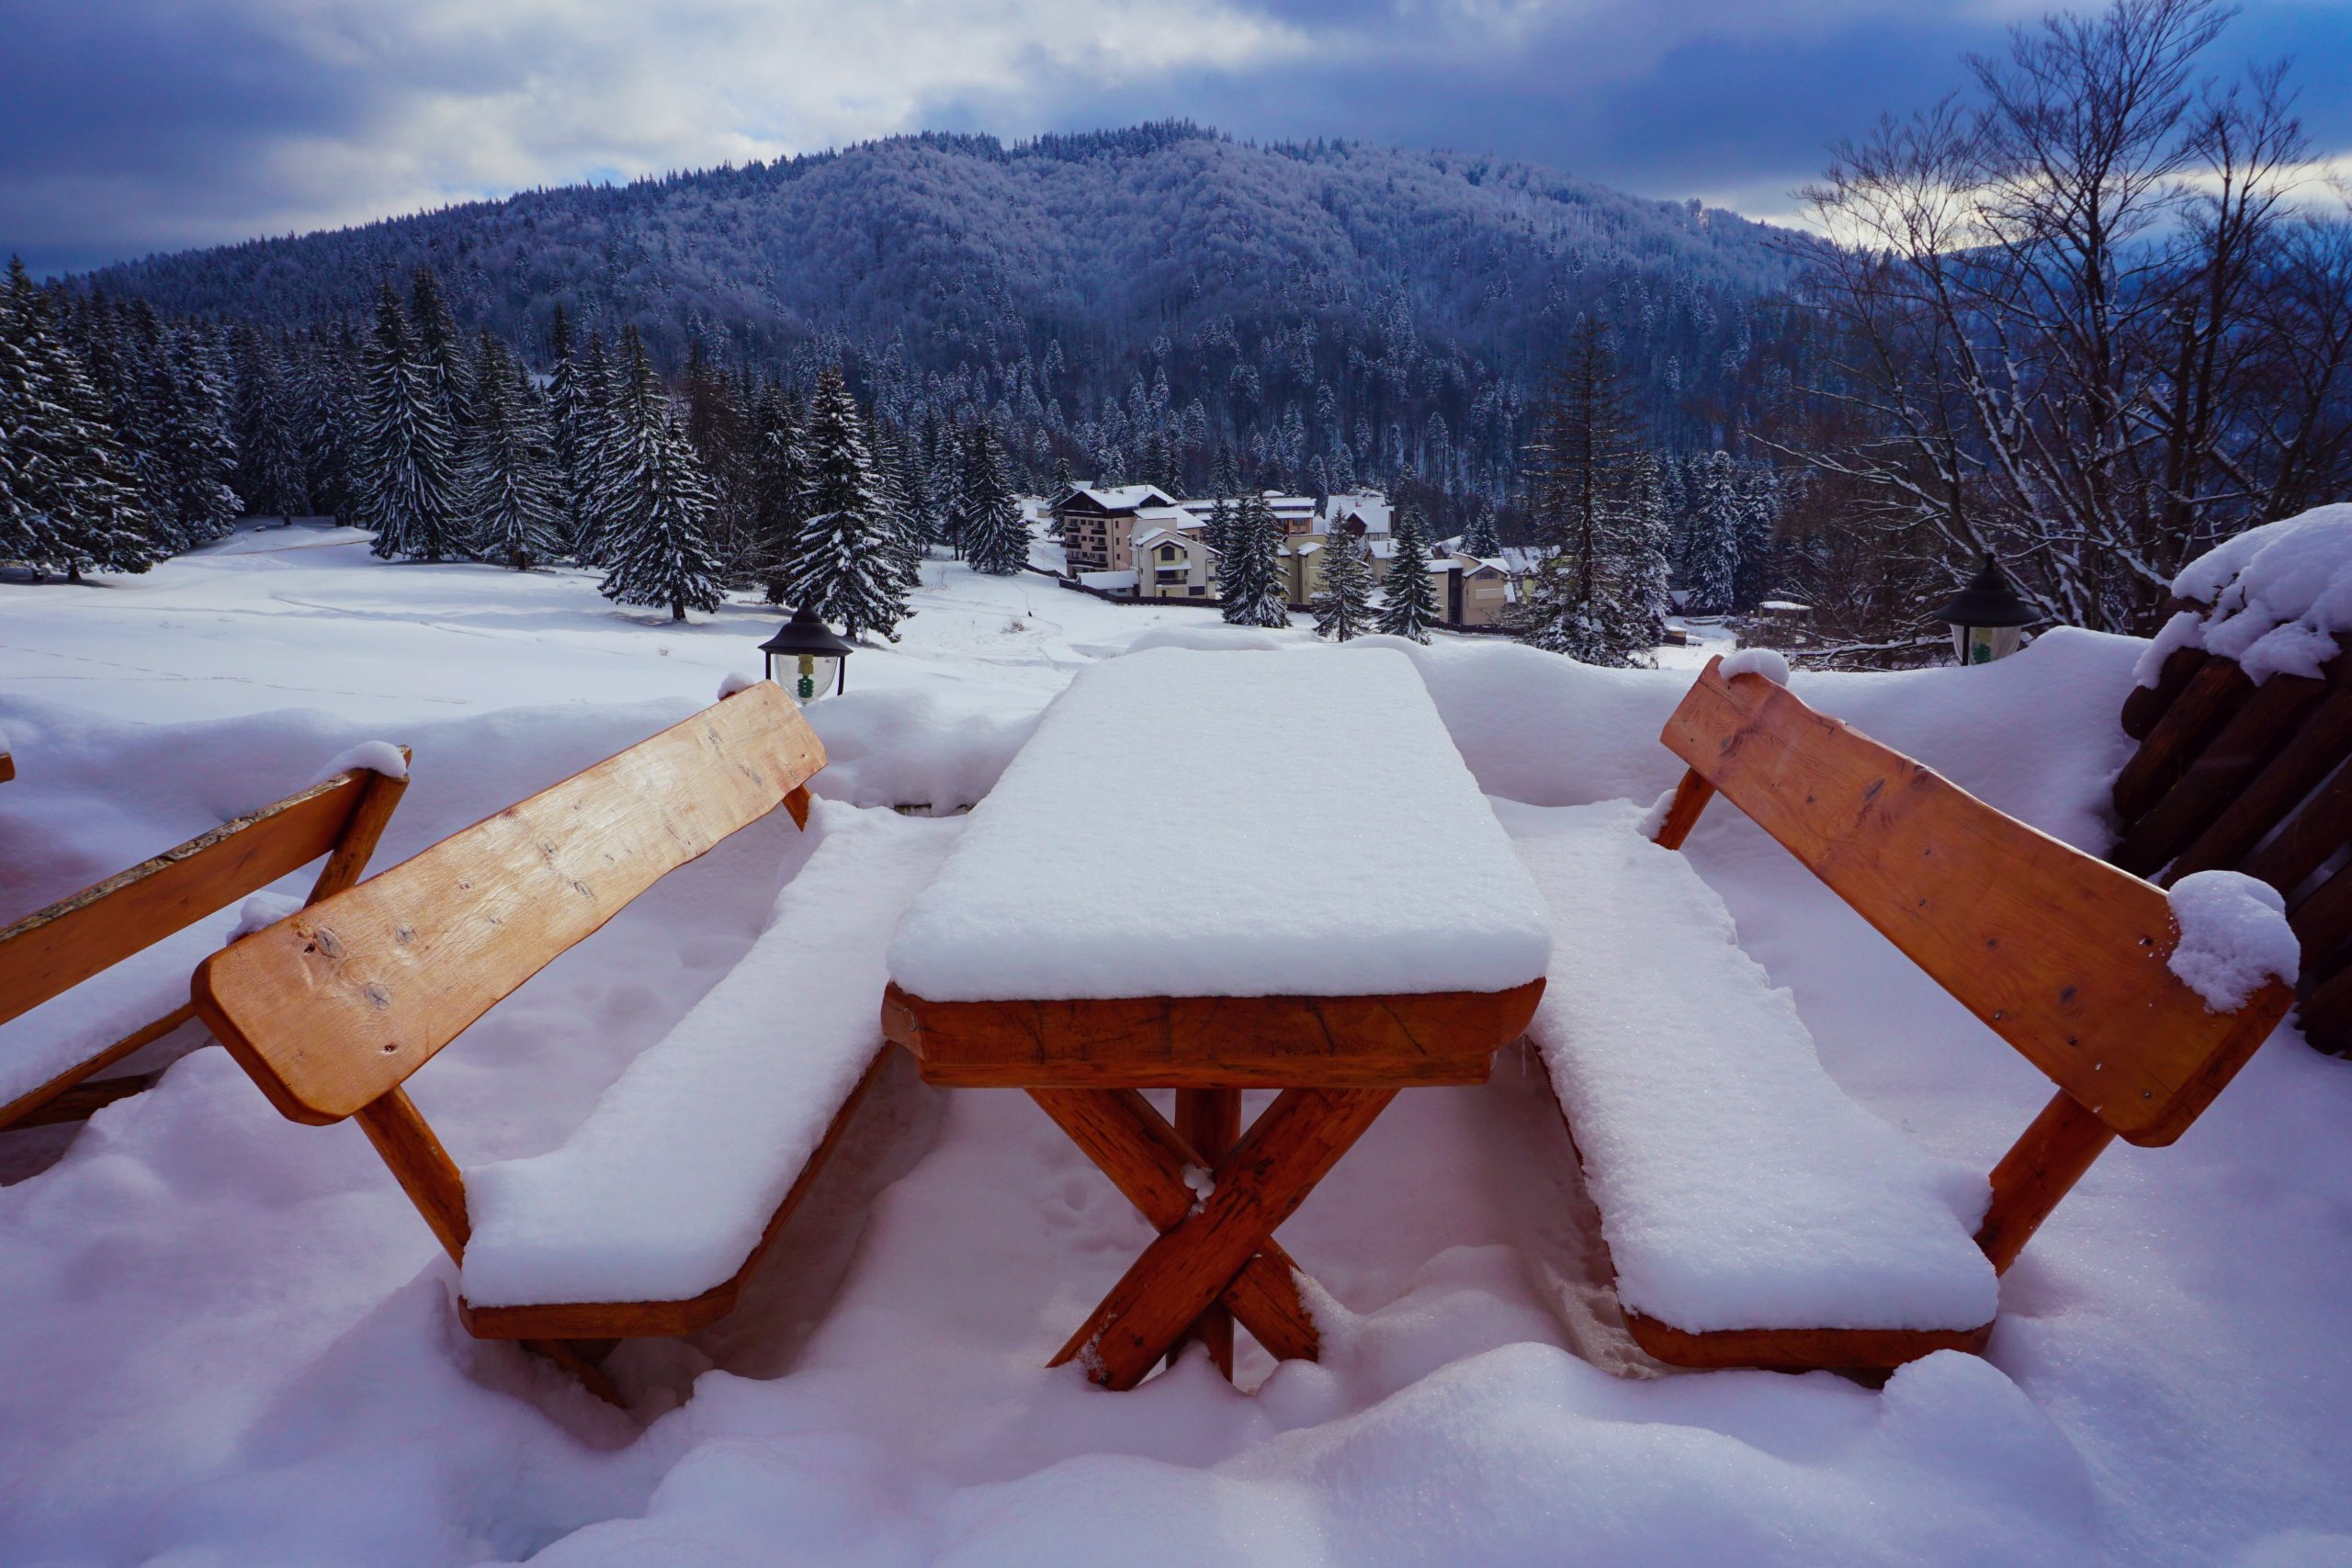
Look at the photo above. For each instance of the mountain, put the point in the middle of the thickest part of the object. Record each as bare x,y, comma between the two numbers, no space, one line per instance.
1124,299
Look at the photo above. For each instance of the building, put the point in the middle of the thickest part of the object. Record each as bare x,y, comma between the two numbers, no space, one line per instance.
1172,563
1098,524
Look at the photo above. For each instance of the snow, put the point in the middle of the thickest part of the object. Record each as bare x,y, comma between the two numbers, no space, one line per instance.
374,756
663,1191
1764,662
260,912
735,681
1139,845
1738,1186
2233,937
2277,596
77,1024
231,1338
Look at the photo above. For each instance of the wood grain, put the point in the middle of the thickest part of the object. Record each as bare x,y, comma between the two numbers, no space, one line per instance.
54,950
1260,1185
2211,695
2309,838
2061,955
2146,704
39,1106
1146,1160
2220,772
2320,742
1441,1037
1210,1120
333,1007
1800,1349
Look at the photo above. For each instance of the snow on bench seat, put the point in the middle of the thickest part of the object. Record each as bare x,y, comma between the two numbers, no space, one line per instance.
664,1191
76,1025
1738,1187
1196,824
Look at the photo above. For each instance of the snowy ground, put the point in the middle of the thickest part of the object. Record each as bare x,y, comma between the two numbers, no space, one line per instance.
228,1340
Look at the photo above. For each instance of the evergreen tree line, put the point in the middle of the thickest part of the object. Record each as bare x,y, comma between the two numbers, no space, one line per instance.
125,438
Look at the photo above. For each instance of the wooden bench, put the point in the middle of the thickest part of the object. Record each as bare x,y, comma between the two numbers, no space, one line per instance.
2058,954
136,914
332,1010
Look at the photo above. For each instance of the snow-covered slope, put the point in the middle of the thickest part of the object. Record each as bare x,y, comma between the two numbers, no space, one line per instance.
228,1340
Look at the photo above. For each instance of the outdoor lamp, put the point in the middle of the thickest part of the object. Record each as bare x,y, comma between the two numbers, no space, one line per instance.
1987,616
805,658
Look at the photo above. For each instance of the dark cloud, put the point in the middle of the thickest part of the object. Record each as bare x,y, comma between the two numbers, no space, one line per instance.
133,125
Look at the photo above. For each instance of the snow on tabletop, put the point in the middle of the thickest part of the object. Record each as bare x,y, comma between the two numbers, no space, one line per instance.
262,911
1769,662
2279,595
1229,824
2233,936
375,756
1738,1187
663,1191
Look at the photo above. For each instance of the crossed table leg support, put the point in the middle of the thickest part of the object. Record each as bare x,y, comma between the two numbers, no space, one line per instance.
1221,1252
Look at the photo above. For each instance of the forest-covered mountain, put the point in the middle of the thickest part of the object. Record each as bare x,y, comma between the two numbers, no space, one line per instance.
1124,300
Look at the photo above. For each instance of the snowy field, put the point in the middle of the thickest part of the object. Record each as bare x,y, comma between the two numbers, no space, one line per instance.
229,1338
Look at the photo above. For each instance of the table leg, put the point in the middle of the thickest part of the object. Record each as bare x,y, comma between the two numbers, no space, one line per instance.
1210,1119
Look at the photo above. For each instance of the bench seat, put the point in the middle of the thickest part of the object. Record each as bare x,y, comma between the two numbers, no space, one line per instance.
1742,1195
670,1187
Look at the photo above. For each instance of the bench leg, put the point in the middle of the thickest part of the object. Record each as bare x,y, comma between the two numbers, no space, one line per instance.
1210,1119
1258,1185
2040,1168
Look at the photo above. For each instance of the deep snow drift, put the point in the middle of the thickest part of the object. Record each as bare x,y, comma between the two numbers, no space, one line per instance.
229,1338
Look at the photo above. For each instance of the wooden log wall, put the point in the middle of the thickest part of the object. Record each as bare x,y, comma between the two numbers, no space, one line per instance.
2258,779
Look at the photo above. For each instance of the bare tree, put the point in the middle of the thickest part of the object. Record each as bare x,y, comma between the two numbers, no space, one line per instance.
2094,320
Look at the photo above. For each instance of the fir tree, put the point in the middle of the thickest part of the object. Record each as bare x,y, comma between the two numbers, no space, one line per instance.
1711,570
1250,572
657,513
408,479
996,540
270,470
511,492
895,497
1408,605
592,446
1757,538
197,450
69,499
1481,540
1343,596
780,473
842,564
325,386
442,350
1596,513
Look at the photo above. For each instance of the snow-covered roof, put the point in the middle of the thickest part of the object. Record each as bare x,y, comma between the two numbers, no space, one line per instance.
1108,579
1370,507
1170,536
1126,497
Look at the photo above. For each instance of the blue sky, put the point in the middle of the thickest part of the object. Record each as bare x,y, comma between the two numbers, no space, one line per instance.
128,126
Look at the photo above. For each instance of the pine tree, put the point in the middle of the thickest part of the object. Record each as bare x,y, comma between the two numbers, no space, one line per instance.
1344,597
1595,506
512,496
1481,540
270,470
198,452
780,475
895,498
1757,538
1409,606
443,349
325,386
996,540
1710,571
69,499
593,449
1250,572
657,513
842,564
408,477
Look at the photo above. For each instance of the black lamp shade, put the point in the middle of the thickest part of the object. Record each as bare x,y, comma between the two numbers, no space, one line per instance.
1987,616
806,657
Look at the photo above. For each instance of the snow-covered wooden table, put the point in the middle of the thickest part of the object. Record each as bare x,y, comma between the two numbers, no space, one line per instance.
1211,872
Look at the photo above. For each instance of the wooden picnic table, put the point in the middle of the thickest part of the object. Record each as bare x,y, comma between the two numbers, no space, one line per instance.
1211,872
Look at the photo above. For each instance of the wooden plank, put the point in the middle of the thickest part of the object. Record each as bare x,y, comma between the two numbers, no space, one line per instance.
7,767
54,950
2317,746
2061,955
380,795
1800,1349
333,1007
629,1320
421,1166
1210,1119
33,1109
84,1100
1441,1037
2146,704
2212,695
2323,918
1259,1185
1691,797
2227,765
2309,838
1146,1159
2327,1010
2040,1167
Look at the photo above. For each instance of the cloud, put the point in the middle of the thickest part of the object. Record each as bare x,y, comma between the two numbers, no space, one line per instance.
133,125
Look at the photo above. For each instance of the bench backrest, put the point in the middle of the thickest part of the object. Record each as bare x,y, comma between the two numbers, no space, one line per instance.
52,950
334,1006
2058,954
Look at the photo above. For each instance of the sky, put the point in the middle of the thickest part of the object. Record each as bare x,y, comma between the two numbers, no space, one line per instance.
134,126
